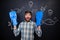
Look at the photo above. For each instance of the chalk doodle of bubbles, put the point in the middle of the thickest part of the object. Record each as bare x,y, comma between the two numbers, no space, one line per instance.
50,12
55,19
30,3
9,23
43,8
18,10
48,21
34,10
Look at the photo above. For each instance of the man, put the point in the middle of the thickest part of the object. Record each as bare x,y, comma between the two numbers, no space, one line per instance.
27,28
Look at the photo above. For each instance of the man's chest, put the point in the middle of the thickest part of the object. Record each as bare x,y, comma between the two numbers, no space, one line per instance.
27,27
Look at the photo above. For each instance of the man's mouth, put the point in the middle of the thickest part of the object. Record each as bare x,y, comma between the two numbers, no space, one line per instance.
27,18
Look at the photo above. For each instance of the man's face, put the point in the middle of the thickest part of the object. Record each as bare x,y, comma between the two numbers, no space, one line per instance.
27,16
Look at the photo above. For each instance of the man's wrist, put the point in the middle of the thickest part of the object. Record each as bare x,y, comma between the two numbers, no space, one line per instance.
14,28
39,27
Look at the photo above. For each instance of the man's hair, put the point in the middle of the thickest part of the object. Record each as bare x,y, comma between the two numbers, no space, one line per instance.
28,12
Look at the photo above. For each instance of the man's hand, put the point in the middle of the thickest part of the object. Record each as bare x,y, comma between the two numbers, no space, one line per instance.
39,27
14,28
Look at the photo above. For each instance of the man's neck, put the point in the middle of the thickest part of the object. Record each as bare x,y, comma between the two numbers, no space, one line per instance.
27,21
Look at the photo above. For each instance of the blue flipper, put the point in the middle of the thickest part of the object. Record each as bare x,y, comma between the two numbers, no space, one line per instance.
39,16
13,17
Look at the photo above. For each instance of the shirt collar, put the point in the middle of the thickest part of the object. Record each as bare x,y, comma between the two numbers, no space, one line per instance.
26,21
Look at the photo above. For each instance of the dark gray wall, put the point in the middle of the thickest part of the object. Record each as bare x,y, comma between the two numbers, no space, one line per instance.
49,24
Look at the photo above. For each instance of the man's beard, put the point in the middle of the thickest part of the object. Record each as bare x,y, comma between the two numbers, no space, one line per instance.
28,19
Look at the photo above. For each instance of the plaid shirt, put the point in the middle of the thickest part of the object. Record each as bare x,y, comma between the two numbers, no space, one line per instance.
27,30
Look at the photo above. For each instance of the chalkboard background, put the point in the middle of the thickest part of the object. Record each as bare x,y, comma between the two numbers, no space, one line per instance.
50,20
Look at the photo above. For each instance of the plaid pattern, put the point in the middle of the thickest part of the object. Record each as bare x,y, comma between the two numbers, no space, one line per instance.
27,30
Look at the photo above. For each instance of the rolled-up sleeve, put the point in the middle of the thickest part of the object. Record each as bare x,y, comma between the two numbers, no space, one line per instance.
38,32
17,31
